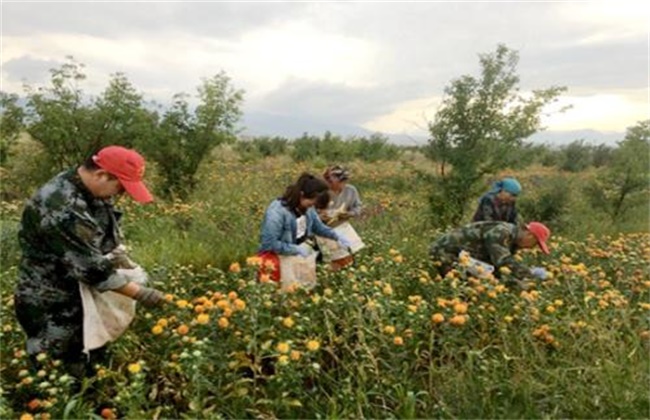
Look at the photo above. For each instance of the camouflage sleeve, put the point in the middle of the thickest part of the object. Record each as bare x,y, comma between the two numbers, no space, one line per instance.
75,239
498,243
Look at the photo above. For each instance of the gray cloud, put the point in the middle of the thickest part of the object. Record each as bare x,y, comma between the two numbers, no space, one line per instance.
29,70
422,47
120,19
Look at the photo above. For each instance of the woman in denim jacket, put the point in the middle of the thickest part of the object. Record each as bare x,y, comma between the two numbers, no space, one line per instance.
292,219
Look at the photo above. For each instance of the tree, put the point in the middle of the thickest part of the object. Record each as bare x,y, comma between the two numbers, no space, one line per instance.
479,122
626,182
70,125
185,138
11,124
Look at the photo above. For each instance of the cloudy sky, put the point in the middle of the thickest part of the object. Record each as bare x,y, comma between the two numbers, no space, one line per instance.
347,67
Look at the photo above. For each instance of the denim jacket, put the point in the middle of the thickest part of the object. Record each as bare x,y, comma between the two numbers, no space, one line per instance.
279,229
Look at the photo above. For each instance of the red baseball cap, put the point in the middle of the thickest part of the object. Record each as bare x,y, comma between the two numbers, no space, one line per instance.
128,166
542,233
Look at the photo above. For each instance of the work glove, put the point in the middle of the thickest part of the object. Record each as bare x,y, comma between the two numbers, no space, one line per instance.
137,274
120,258
149,297
539,272
344,242
303,252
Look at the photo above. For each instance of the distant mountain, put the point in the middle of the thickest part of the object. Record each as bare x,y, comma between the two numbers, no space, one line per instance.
259,124
563,138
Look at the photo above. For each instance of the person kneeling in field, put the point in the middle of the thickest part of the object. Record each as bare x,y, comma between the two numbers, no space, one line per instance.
290,220
494,243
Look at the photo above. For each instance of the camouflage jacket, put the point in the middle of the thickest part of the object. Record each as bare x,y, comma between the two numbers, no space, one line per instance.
64,233
492,242
490,209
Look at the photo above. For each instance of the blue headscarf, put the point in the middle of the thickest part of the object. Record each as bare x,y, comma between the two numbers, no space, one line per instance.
509,185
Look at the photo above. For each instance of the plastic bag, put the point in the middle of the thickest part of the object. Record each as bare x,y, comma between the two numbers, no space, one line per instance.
476,268
332,251
298,271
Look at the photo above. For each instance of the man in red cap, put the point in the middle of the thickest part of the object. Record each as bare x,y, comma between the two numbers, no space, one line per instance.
69,238
493,242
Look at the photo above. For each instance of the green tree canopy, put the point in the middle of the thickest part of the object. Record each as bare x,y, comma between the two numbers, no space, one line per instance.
479,122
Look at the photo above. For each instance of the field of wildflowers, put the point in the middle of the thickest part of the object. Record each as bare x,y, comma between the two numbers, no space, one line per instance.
383,338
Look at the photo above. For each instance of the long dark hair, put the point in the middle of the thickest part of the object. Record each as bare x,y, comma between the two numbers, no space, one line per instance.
307,186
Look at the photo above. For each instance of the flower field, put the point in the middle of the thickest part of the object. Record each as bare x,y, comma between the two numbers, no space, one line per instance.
383,338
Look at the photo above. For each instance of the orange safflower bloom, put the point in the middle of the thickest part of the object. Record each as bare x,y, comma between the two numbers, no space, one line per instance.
460,308
438,318
223,322
458,320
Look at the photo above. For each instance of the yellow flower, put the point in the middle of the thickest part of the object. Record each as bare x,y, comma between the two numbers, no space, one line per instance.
398,341
203,319
387,290
283,360
223,322
254,261
389,329
313,345
182,303
163,322
458,320
437,318
26,416
295,355
223,304
157,329
265,278
182,329
239,304
134,367
288,322
234,267
460,308
505,270
282,347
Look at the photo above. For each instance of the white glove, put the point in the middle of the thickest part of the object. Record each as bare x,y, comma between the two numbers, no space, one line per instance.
539,272
137,274
120,258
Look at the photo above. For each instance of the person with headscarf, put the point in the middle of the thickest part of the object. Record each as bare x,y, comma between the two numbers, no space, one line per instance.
499,204
344,198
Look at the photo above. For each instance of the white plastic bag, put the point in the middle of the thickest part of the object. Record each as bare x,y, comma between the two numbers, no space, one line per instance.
331,249
297,270
476,268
